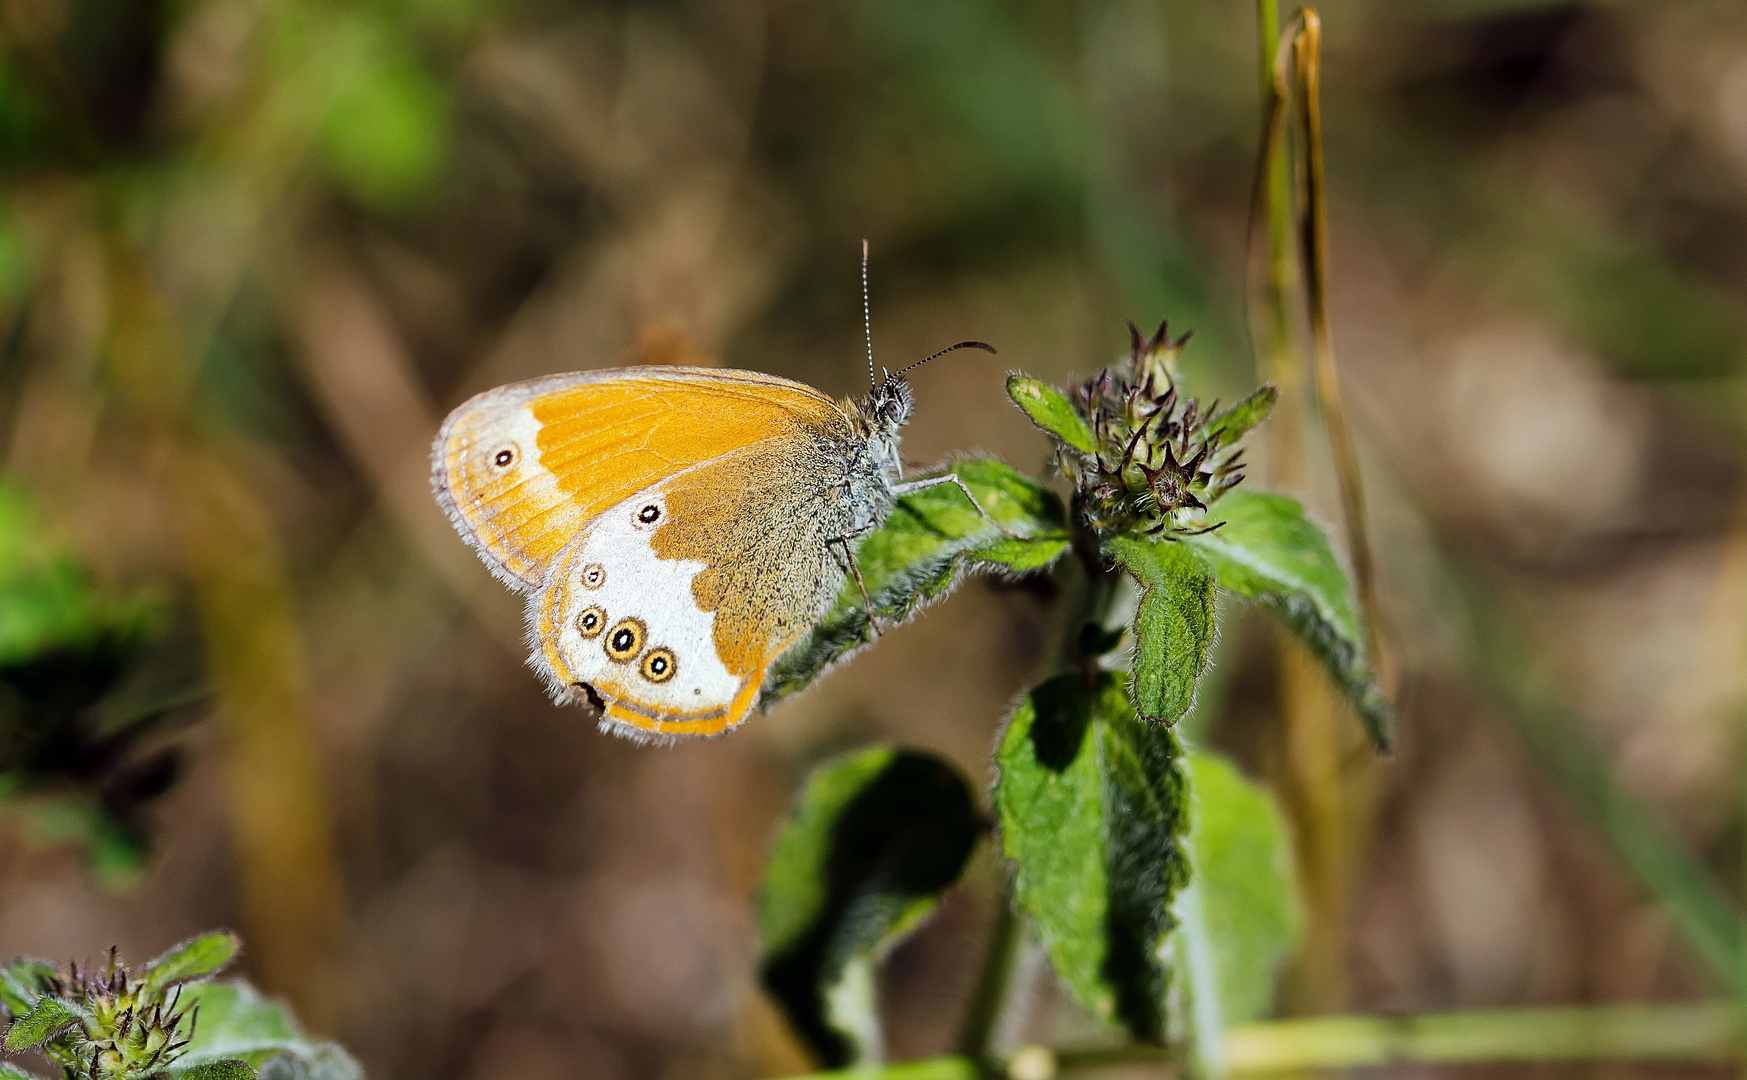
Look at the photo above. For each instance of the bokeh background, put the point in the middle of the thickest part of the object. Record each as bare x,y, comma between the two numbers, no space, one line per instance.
252,250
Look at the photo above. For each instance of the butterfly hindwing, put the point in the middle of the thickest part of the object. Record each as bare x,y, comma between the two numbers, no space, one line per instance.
524,469
674,603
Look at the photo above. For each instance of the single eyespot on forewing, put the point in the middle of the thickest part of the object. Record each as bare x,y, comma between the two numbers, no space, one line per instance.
524,469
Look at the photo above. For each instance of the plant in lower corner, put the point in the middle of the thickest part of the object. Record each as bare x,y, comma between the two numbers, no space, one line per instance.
1158,882
166,1021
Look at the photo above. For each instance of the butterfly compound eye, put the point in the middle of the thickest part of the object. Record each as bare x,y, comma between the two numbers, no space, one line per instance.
504,458
660,665
625,640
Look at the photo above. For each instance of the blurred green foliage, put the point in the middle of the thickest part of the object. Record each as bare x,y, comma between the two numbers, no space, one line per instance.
82,719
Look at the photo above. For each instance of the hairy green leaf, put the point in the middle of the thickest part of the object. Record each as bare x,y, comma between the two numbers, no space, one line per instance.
22,982
927,543
223,1069
193,959
236,1022
48,1018
1238,917
12,1072
1268,551
1236,422
1173,628
874,838
1051,410
1091,802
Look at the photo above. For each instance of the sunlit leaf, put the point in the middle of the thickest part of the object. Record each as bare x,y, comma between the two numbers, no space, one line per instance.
1173,628
1268,551
1091,802
1238,916
1236,422
1050,410
873,840
926,545
193,959
46,1019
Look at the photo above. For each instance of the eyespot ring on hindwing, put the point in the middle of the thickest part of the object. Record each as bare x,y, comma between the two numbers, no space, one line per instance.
505,456
659,665
625,640
594,575
591,621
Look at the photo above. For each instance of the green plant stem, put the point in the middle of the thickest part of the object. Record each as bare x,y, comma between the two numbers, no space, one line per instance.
952,1067
976,1037
1307,51
1702,1031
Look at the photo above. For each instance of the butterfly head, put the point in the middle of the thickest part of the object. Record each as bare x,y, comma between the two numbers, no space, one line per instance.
887,408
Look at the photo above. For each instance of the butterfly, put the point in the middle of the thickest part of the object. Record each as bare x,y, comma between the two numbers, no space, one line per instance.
674,529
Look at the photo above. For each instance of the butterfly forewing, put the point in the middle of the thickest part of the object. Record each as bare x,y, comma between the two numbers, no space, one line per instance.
524,468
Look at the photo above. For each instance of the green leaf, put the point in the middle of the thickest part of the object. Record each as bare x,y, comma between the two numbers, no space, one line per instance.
1091,802
1051,410
1238,917
1236,422
925,546
22,982
1173,628
874,838
193,959
12,1072
1268,551
48,1018
236,1022
223,1069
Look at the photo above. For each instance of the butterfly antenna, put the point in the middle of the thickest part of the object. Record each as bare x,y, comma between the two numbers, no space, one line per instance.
867,316
983,345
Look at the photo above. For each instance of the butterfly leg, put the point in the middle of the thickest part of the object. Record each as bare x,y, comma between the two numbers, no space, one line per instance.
952,478
855,568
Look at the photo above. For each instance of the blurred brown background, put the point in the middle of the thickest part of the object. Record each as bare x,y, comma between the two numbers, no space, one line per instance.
252,250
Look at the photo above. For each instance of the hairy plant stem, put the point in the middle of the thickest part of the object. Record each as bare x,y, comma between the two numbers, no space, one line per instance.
1088,596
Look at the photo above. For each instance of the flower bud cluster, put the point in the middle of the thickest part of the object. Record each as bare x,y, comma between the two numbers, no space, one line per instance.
1159,459
128,1027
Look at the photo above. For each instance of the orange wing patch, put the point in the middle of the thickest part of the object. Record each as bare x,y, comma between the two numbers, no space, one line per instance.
524,468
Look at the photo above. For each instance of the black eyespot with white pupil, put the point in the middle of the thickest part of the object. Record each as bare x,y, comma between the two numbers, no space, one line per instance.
505,458
660,665
625,640
650,514
589,623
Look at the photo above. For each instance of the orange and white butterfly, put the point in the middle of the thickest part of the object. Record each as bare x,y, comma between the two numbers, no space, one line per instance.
675,529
